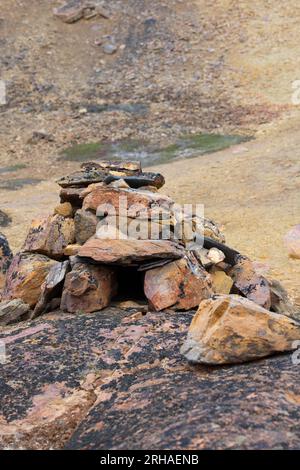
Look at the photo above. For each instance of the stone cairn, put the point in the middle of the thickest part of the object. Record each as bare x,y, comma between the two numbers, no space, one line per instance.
93,250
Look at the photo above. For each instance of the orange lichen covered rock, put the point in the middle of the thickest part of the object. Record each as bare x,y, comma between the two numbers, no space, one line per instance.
26,276
249,283
178,285
230,329
88,288
50,236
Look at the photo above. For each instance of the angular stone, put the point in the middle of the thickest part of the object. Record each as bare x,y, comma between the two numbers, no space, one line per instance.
215,255
26,276
70,12
129,252
292,242
280,301
82,178
92,173
85,225
119,183
137,181
222,283
52,288
5,219
207,228
50,236
130,167
249,283
12,311
88,288
230,329
127,227
72,250
180,284
141,200
5,259
64,209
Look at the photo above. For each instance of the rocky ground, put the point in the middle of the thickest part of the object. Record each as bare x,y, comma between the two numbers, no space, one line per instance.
177,68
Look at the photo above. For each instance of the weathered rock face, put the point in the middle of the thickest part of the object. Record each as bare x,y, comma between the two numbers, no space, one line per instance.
133,228
64,209
5,259
128,252
221,282
52,288
12,310
280,302
85,225
292,242
135,201
230,329
250,284
50,236
25,277
180,284
88,288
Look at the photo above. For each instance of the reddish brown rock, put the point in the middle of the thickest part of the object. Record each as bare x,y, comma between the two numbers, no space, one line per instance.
230,329
5,259
85,225
51,288
50,236
180,284
88,288
249,283
26,276
142,200
126,252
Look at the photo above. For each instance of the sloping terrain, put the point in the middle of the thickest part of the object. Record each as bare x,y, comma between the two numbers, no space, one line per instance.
222,66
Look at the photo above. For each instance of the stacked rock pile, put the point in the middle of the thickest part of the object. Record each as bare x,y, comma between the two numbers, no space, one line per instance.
114,237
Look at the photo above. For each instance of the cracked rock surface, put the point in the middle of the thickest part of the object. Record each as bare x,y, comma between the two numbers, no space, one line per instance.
119,379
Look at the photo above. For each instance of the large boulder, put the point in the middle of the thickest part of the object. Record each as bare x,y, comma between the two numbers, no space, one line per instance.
230,329
179,285
26,276
50,236
88,288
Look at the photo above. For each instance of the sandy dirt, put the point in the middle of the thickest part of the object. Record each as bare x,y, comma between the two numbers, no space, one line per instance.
219,66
